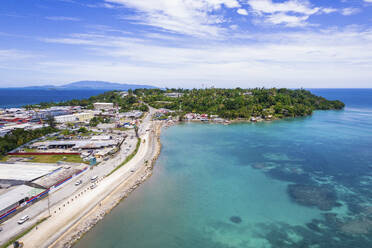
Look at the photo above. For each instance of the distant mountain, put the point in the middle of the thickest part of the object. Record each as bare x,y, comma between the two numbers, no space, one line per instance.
92,85
100,85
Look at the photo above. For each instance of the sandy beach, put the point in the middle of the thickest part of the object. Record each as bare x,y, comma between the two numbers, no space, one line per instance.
69,221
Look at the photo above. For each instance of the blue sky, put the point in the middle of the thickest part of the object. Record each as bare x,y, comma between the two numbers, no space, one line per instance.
187,43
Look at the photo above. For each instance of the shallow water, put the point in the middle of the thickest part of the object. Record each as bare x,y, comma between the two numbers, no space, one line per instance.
207,174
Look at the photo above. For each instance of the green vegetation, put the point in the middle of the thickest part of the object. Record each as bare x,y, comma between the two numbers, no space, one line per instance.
97,120
83,130
19,137
226,103
240,103
19,236
127,103
128,158
48,158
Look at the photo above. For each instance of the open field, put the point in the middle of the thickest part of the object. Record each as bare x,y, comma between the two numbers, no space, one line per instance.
48,158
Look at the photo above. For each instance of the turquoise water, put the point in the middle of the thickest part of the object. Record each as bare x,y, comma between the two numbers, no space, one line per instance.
228,186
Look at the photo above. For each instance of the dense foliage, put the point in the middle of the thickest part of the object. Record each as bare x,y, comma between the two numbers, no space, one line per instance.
19,137
240,103
127,103
97,120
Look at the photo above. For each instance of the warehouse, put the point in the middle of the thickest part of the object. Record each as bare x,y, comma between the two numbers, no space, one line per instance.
25,172
75,144
17,197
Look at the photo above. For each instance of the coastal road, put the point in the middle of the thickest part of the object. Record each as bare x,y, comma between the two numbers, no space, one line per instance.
66,216
12,228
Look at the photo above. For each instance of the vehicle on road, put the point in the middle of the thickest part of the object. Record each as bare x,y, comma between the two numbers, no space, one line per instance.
78,182
18,244
93,186
1,229
93,179
23,219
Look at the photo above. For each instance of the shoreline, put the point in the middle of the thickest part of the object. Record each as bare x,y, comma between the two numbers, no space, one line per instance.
72,229
76,232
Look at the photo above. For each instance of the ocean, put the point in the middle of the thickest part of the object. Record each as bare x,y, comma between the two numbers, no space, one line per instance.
14,98
303,182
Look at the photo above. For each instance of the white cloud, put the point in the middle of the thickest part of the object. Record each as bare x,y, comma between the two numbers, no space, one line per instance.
342,57
290,13
288,20
191,17
62,18
12,54
242,12
350,11
269,7
329,10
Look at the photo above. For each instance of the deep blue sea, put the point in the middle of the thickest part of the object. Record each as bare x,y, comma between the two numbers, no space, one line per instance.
304,182
13,98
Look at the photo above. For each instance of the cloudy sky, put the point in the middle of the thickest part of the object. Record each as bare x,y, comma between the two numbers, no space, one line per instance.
187,43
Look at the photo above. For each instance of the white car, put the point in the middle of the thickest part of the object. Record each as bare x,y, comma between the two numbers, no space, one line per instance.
23,219
78,182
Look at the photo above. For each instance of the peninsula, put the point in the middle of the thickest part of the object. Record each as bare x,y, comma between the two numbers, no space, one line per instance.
86,155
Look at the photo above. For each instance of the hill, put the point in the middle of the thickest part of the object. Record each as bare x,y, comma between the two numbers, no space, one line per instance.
92,85
101,85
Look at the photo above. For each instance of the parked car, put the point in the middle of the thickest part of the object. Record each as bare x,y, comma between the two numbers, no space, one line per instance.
94,178
23,219
93,186
78,182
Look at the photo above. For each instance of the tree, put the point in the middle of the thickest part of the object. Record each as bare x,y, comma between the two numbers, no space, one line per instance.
51,121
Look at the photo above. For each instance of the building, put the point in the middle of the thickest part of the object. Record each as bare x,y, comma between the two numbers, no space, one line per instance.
173,94
103,105
75,144
17,197
84,116
133,114
123,93
21,172
78,117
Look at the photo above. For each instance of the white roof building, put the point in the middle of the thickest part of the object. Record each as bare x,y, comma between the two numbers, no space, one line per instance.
103,105
25,171
16,195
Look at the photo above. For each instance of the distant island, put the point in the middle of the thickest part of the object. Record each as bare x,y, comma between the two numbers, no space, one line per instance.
231,104
93,85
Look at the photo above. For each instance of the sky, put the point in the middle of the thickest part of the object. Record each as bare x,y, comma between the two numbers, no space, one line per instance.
187,43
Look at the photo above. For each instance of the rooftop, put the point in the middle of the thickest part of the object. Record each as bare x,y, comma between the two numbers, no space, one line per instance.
25,171
16,194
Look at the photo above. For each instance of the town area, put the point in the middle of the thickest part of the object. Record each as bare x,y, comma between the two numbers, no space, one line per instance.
82,147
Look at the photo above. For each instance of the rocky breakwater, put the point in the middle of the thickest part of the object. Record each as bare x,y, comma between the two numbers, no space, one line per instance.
105,207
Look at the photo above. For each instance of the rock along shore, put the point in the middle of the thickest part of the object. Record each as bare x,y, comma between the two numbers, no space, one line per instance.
69,238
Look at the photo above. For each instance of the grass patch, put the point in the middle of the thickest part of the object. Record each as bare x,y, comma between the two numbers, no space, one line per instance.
49,158
128,158
17,237
30,150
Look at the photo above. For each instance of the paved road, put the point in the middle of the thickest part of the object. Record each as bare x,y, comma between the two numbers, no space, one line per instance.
12,228
73,211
